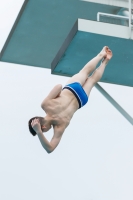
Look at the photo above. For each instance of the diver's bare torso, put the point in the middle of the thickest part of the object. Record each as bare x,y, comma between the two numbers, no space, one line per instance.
62,108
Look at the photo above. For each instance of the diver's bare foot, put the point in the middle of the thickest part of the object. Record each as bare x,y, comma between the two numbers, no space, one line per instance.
108,56
104,51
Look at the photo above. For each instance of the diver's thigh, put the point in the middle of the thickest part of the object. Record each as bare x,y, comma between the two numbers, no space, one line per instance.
88,85
80,78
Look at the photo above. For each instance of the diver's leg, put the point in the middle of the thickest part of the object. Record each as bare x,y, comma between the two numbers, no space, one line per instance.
83,74
97,74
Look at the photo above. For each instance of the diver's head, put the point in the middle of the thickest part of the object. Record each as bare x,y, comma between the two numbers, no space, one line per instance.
45,125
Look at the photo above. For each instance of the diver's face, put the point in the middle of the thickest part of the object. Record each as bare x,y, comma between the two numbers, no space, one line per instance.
45,128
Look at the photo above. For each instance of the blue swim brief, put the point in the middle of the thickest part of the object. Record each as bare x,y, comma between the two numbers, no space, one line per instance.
78,92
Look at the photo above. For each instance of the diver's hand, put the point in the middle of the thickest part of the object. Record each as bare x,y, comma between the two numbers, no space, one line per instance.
36,125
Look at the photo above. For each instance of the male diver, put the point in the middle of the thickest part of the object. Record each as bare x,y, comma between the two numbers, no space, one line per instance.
61,103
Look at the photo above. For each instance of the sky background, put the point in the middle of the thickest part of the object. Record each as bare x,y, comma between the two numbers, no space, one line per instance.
94,160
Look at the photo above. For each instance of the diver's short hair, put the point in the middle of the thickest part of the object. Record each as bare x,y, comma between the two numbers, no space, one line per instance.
30,127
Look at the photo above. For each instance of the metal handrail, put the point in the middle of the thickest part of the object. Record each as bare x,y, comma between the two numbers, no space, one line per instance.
130,17
120,17
110,15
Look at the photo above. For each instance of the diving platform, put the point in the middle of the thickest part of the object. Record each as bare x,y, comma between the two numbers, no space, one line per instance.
41,27
85,40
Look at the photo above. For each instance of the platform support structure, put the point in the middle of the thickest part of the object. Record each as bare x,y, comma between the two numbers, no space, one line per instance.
114,103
